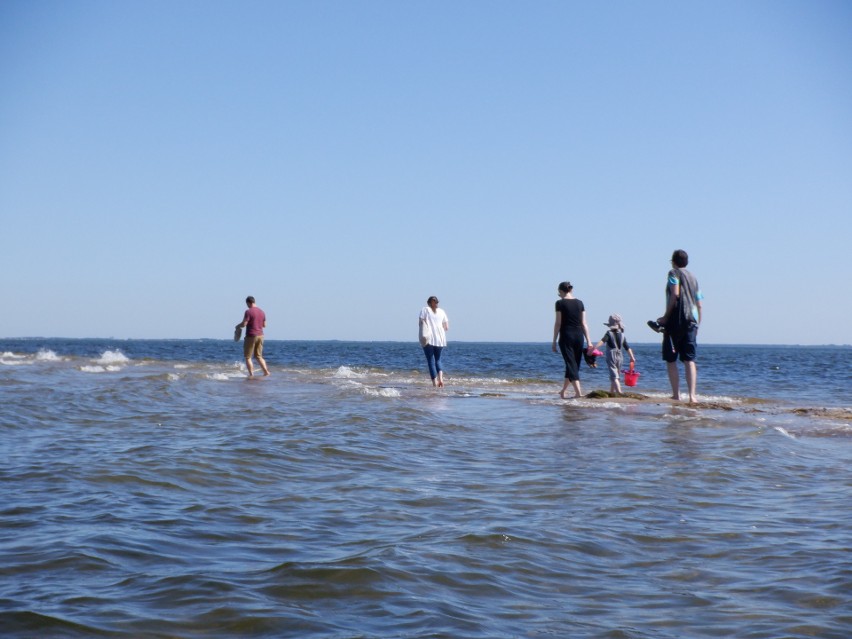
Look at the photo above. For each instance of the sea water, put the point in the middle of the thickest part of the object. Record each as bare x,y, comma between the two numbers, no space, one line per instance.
149,489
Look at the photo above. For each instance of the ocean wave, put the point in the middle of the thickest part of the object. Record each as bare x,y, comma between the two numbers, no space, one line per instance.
344,372
817,423
112,357
610,405
93,369
381,392
47,355
718,399
11,359
784,432
482,381
100,369
224,374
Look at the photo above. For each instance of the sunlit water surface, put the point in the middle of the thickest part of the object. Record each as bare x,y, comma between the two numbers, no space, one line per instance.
150,490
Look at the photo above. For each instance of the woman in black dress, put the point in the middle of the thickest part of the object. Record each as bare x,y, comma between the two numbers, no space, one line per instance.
570,330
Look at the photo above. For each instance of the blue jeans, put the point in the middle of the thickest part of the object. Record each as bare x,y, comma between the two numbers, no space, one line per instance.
433,359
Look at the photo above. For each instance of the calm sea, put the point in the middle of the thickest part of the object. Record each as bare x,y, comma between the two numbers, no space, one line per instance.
148,489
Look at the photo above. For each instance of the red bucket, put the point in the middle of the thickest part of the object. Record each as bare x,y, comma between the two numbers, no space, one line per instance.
631,377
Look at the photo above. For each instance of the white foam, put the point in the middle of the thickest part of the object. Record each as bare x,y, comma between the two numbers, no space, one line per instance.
657,395
718,399
487,382
784,432
344,372
694,416
615,405
93,369
238,371
113,357
382,392
46,355
11,359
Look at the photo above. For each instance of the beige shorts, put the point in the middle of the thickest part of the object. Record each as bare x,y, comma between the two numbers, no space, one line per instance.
253,346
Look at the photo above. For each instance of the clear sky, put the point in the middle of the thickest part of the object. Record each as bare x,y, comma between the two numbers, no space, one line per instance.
342,161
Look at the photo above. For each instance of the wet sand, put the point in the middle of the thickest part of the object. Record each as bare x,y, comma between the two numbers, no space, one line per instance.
745,405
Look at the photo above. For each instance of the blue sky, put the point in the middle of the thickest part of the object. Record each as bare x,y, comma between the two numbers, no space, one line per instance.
342,161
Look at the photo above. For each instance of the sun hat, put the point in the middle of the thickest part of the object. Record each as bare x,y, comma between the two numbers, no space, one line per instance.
615,322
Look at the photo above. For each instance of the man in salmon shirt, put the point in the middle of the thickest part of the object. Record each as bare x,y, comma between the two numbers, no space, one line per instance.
254,321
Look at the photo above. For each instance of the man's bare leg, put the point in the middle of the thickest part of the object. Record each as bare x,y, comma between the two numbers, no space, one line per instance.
674,379
262,363
691,371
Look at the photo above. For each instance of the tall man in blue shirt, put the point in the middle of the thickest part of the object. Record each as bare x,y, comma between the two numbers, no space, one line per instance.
680,324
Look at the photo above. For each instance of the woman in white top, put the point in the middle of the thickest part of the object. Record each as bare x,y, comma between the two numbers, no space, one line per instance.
433,321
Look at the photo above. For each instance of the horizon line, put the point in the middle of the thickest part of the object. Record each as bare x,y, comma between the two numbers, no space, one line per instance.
391,341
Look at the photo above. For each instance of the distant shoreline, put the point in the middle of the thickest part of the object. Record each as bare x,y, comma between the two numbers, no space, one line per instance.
392,341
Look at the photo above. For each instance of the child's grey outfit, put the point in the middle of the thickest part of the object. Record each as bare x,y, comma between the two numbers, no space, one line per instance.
615,342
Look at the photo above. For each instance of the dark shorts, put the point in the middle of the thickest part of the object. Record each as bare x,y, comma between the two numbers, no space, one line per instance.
683,344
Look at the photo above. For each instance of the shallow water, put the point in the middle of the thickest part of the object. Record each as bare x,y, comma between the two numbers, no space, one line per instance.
150,490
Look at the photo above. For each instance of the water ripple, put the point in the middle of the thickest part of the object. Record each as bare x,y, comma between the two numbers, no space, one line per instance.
158,501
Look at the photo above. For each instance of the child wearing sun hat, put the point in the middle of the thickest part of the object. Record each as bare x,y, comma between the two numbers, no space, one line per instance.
615,343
